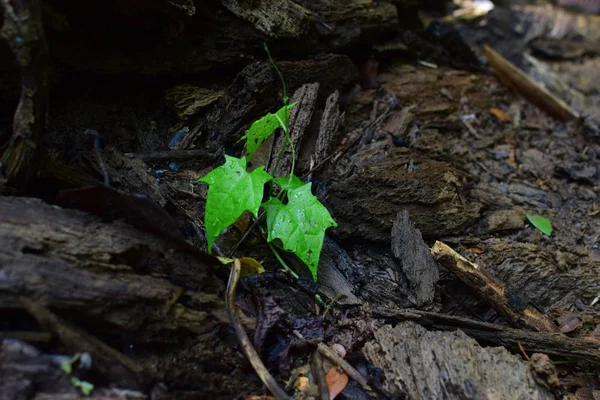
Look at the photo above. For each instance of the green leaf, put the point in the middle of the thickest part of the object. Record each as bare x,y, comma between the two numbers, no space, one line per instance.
543,224
285,184
300,225
67,367
231,191
261,129
86,387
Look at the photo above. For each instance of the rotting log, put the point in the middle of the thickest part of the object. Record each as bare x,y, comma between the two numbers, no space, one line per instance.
191,37
72,261
116,282
418,363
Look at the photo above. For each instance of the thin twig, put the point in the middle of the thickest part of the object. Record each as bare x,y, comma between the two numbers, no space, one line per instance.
243,339
523,351
344,365
335,358
316,366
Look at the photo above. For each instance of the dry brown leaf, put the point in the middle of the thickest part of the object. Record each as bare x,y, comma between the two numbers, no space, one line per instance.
336,382
501,115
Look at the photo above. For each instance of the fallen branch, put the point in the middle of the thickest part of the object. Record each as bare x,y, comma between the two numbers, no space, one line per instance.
508,302
527,87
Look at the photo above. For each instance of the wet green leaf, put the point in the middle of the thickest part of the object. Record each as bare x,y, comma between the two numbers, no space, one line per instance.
300,225
231,191
261,129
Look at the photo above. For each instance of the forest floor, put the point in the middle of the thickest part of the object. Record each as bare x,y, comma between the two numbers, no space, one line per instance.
422,153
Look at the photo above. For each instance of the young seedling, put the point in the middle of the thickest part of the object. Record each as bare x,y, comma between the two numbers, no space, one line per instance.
300,223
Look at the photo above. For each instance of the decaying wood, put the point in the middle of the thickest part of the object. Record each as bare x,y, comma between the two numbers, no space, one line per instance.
533,92
399,122
23,32
540,272
428,192
432,365
187,100
28,373
508,302
418,267
276,19
257,89
113,40
406,280
116,280
89,261
25,370
534,342
300,118
109,362
334,267
331,121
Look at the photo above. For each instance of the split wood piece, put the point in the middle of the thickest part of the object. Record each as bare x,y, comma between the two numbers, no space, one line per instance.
418,268
144,212
23,32
399,122
421,364
300,117
256,90
533,92
108,362
334,267
133,174
509,303
533,342
331,120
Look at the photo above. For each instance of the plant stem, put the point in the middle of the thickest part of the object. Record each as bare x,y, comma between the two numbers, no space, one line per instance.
283,263
286,131
289,140
278,256
285,98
